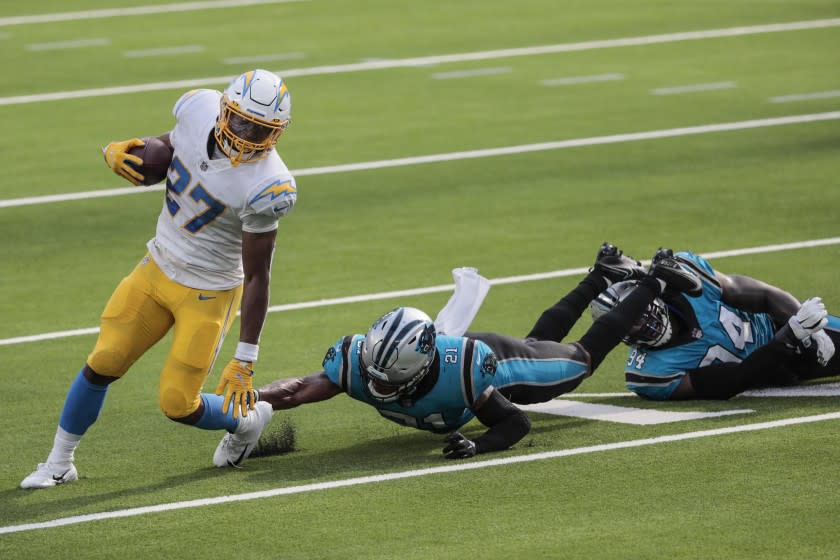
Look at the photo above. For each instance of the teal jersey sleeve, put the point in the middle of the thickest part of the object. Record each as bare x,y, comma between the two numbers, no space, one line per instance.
341,362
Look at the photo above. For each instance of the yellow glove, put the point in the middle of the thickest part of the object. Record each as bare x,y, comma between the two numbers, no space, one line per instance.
238,385
119,160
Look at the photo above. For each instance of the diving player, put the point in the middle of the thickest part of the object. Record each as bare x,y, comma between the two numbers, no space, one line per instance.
418,378
225,191
739,333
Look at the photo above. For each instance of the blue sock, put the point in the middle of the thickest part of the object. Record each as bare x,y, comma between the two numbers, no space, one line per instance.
213,417
82,406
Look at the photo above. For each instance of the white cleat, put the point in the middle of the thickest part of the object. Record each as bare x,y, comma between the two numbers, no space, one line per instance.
235,448
47,476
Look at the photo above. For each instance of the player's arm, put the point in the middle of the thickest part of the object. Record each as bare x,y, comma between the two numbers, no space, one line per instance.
755,296
289,393
799,324
237,377
507,425
770,364
257,252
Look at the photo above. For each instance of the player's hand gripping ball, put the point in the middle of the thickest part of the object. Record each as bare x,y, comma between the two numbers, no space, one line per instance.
140,161
156,157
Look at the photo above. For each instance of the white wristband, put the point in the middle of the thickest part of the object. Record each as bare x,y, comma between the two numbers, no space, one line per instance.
246,352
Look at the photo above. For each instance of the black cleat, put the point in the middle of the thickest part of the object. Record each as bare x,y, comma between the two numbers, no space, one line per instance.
665,267
616,266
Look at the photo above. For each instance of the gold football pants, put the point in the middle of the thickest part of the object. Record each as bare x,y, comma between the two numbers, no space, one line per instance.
142,309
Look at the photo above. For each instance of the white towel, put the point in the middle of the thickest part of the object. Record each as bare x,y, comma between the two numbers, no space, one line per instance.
470,289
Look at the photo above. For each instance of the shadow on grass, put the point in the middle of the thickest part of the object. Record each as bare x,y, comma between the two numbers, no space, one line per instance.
402,450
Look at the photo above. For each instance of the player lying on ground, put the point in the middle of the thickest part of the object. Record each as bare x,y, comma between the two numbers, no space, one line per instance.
227,187
419,378
739,333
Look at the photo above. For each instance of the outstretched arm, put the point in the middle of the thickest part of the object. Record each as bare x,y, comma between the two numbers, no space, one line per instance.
289,393
507,425
755,296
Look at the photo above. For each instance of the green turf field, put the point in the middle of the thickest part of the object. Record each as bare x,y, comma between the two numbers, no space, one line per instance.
372,81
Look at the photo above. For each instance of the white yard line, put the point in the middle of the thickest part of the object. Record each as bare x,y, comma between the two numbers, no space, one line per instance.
64,45
574,80
445,469
449,287
805,96
472,73
692,88
470,154
263,58
437,59
623,414
164,51
135,11
818,390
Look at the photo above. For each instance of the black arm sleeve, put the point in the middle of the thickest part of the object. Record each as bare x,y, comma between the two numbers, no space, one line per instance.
768,365
556,321
508,424
608,330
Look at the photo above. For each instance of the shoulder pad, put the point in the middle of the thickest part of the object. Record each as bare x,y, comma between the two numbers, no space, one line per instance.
187,99
275,198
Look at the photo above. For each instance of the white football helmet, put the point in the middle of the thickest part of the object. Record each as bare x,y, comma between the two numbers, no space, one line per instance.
397,353
255,110
652,329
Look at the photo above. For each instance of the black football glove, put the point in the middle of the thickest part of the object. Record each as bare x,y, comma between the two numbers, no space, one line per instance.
459,447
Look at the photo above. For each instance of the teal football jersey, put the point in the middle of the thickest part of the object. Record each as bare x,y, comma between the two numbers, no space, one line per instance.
465,369
723,334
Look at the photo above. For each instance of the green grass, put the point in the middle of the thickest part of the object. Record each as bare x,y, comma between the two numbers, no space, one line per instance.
759,494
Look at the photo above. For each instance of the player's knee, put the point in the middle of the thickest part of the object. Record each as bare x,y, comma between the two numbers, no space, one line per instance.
95,378
109,361
177,404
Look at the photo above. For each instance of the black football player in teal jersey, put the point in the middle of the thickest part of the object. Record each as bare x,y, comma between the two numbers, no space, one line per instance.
419,378
739,333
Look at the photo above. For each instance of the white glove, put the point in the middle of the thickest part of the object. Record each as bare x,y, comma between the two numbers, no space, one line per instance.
810,318
825,347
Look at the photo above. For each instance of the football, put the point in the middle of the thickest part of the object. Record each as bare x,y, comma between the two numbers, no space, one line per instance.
156,158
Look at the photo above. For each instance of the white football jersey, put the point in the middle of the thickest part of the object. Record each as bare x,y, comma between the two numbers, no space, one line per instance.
209,203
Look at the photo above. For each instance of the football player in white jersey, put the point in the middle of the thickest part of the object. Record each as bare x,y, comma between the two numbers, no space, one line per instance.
226,189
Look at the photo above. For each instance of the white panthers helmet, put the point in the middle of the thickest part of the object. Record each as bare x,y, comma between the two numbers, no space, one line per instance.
255,110
397,353
652,329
